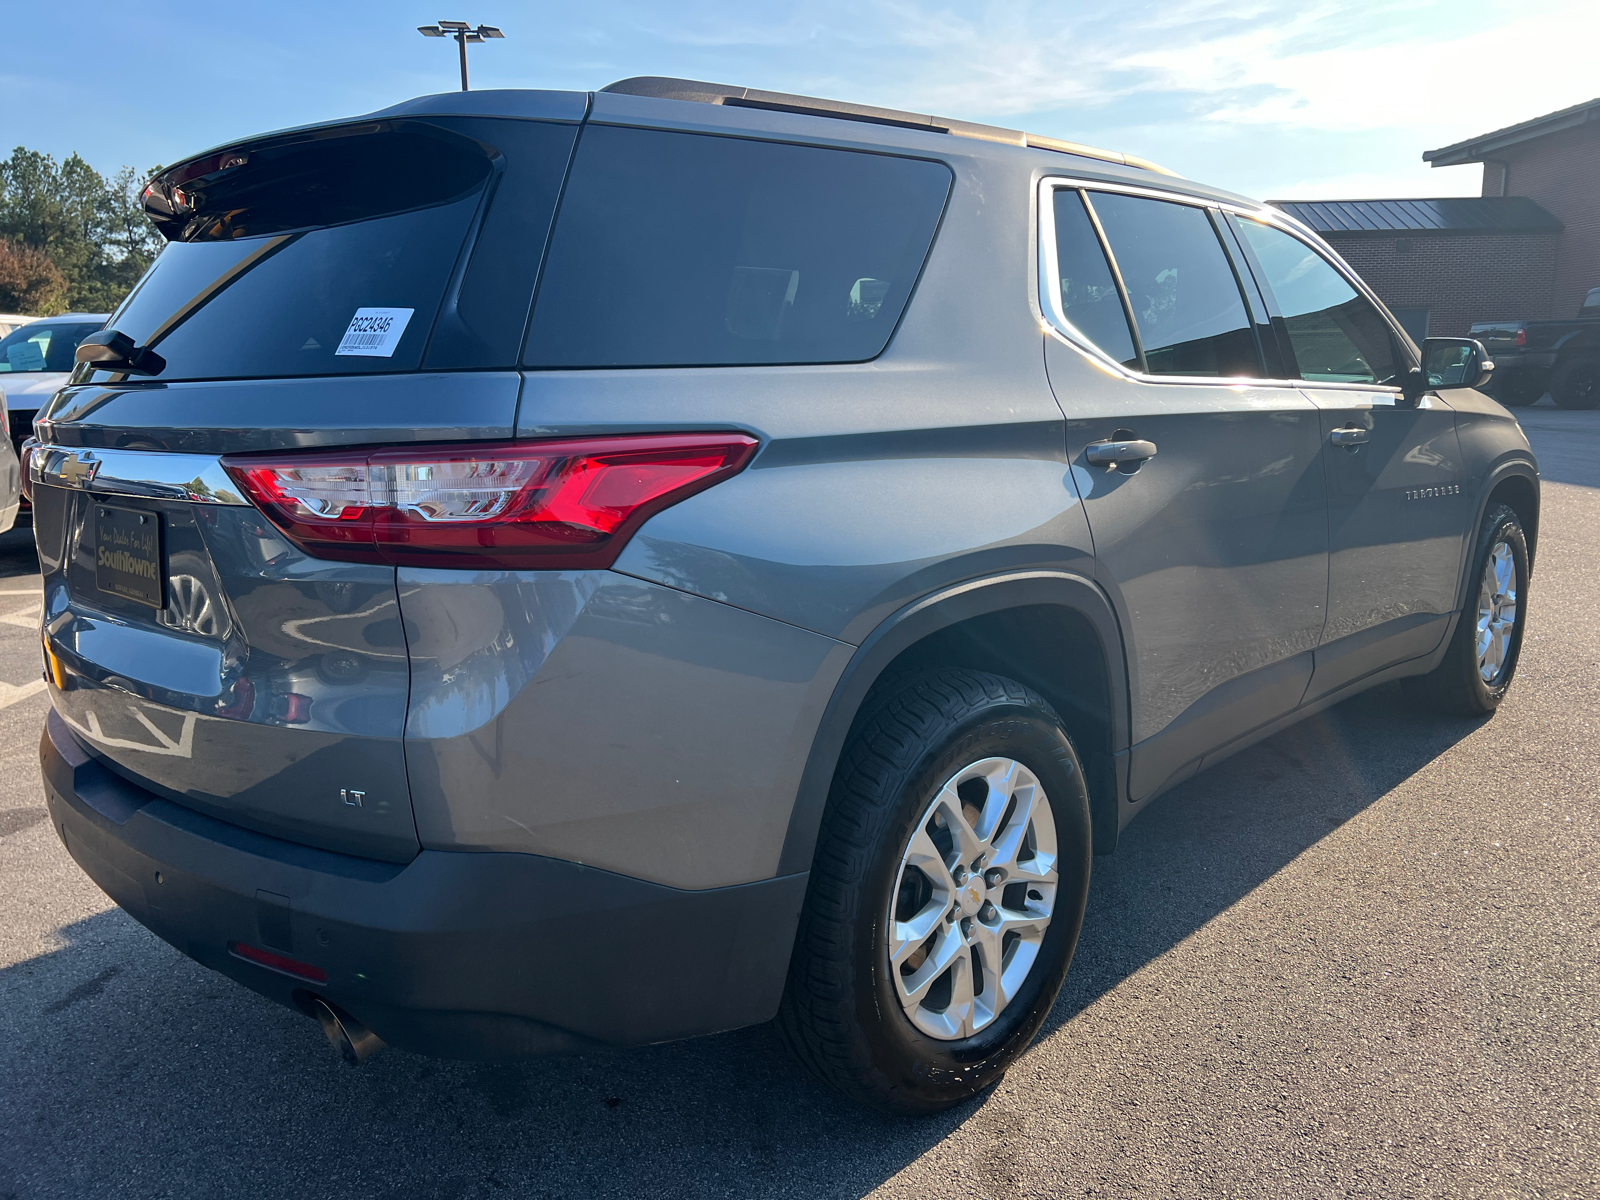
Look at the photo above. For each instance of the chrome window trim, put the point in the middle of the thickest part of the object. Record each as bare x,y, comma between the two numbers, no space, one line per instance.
1055,321
151,474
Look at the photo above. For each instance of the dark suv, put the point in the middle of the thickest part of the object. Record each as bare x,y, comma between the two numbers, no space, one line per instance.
534,569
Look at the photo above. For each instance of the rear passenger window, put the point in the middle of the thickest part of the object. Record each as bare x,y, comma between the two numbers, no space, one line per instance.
1337,334
678,249
1185,299
1089,298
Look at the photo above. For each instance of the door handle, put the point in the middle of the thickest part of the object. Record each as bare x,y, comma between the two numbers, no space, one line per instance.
1349,438
1111,455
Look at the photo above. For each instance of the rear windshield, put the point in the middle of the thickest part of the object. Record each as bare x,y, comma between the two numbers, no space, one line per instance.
315,257
43,345
677,249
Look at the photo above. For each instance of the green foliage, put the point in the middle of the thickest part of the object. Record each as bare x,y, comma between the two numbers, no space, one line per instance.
91,228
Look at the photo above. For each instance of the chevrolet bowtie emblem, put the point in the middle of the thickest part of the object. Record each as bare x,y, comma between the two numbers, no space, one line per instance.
80,468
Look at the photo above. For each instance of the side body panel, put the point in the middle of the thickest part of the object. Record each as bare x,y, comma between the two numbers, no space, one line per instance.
605,720
1214,551
1399,512
1494,452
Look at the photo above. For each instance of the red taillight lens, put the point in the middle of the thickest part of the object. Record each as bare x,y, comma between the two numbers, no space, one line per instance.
553,504
278,962
27,480
1522,337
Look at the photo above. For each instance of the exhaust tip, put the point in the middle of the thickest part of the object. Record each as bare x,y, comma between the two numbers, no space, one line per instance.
351,1040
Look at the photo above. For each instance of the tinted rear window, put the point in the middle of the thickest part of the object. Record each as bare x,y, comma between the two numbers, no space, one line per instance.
677,249
1089,297
285,250
1181,286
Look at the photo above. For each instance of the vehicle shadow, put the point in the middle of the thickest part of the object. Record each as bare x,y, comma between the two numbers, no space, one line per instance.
129,1070
17,555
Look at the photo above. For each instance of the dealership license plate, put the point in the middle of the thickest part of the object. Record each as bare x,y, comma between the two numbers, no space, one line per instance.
127,555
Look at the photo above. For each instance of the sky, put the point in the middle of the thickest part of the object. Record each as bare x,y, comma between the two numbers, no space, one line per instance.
1277,99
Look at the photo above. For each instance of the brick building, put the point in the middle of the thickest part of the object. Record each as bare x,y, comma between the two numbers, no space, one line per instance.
1529,246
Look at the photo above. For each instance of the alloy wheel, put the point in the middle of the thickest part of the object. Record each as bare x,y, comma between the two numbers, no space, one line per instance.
1497,611
973,898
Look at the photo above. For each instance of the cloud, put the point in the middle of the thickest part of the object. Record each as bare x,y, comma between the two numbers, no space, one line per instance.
1333,65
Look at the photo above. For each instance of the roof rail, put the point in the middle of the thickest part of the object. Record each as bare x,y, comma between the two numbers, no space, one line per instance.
662,87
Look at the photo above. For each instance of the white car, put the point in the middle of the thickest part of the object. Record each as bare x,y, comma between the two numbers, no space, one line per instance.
35,360
10,474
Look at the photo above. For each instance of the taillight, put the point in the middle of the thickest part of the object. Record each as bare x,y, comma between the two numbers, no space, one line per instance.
521,505
1522,337
27,479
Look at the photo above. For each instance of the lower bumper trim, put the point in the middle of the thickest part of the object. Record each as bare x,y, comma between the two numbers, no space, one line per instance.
464,955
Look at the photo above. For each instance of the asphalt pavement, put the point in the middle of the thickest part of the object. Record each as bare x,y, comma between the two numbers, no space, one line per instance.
1356,960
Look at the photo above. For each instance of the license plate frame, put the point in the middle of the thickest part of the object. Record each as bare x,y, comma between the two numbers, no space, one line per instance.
128,560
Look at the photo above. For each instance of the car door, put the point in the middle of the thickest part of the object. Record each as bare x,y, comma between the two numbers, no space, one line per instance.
1398,510
1213,548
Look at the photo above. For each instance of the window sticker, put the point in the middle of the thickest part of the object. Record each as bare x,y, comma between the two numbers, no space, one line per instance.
375,332
26,356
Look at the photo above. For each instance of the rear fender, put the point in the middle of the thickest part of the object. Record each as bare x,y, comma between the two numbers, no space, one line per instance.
924,618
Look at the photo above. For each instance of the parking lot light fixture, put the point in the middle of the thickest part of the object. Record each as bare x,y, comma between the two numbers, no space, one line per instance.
463,33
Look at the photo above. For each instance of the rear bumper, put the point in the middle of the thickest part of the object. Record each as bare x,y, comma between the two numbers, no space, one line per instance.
467,955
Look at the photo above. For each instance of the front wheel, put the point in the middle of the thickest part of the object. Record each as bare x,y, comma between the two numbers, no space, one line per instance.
946,895
1477,668
1520,389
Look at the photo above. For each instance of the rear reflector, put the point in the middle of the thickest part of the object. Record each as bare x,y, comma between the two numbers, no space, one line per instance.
519,505
278,962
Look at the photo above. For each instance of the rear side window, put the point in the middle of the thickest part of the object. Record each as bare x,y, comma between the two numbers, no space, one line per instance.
679,249
1337,335
1089,297
328,255
1184,295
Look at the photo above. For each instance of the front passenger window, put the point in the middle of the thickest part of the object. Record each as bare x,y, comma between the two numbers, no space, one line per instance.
1337,334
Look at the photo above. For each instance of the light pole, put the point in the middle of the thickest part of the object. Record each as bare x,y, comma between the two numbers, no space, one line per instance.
463,33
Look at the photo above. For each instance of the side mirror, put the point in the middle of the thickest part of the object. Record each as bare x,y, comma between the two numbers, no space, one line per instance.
109,350
1450,363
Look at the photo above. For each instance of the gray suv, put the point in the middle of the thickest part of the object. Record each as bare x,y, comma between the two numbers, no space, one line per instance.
528,570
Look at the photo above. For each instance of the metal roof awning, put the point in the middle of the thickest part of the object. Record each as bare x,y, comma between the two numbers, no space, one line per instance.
1478,148
1451,214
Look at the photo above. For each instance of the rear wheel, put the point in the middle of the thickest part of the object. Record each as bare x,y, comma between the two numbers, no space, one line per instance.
946,894
1477,668
1577,383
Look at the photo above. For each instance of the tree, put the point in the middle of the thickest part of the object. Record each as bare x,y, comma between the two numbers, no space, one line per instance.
29,281
91,229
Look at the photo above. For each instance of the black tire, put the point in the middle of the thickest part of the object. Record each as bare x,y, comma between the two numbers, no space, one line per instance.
1520,389
1576,383
841,1014
1457,685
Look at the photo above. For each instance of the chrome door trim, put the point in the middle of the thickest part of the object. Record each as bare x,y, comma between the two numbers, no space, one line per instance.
1055,320
152,474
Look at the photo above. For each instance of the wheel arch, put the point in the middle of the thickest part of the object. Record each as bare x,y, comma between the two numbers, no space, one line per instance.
1053,631
1515,486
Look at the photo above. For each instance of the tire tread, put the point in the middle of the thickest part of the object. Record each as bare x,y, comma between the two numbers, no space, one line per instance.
815,1021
